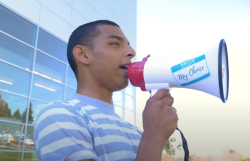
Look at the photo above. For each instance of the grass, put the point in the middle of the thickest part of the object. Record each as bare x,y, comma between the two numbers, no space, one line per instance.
7,156
10,156
16,156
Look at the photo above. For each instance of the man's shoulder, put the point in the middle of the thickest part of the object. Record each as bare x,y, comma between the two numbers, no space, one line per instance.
59,108
56,112
67,104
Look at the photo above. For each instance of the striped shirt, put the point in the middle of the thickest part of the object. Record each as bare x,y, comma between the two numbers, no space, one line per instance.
84,128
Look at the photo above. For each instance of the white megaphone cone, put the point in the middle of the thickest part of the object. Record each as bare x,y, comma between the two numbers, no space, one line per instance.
207,72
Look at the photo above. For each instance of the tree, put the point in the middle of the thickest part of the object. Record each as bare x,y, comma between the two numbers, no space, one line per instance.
9,112
17,115
5,111
30,117
23,117
169,148
3,107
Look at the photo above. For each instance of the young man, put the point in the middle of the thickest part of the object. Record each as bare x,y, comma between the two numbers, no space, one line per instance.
85,127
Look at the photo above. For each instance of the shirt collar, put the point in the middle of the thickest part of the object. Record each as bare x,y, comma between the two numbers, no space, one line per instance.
85,100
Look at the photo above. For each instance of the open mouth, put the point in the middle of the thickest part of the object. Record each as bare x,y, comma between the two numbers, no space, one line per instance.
125,67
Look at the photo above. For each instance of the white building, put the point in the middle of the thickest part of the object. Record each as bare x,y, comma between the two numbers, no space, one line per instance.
33,66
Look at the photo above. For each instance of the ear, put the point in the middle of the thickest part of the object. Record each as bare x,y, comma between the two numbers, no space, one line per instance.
80,54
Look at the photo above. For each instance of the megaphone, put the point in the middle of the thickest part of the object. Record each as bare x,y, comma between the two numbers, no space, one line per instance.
207,72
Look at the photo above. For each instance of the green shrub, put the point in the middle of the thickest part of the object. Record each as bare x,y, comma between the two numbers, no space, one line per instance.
245,159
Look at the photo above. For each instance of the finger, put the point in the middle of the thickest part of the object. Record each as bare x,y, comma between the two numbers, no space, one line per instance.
174,109
168,100
161,94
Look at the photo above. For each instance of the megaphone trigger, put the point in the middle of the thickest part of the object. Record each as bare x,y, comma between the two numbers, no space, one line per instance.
153,92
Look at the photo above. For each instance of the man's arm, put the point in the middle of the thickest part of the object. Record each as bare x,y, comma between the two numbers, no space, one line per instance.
159,123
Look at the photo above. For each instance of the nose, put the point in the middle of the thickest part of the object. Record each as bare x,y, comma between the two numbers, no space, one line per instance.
130,52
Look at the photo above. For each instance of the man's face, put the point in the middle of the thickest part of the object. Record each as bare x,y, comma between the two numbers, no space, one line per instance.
112,55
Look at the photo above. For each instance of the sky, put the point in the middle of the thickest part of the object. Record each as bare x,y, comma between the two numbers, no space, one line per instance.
186,28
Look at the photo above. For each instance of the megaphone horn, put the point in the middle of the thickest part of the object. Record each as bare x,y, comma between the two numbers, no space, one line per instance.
207,72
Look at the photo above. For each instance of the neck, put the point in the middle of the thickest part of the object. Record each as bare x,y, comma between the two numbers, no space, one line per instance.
97,92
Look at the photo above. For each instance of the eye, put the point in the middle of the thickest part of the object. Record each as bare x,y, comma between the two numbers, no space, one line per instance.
115,44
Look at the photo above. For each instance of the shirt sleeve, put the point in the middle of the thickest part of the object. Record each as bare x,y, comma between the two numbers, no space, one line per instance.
60,133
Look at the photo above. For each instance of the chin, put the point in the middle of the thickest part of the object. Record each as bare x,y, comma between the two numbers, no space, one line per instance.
125,84
121,86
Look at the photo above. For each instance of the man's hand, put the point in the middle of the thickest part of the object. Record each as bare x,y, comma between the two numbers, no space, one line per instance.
159,122
159,117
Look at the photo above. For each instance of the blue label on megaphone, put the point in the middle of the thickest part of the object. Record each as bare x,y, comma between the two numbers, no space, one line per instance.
191,71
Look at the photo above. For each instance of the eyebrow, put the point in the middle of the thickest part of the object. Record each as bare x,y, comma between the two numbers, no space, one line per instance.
118,38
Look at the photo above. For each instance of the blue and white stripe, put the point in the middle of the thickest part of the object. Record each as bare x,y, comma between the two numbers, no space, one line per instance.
84,128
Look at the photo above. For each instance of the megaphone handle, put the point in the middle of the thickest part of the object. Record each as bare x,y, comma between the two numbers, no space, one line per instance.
153,91
184,141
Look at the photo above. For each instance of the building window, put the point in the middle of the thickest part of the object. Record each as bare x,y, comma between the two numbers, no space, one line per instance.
71,79
14,79
69,92
17,26
15,52
117,98
49,68
13,107
35,108
52,46
13,132
46,90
